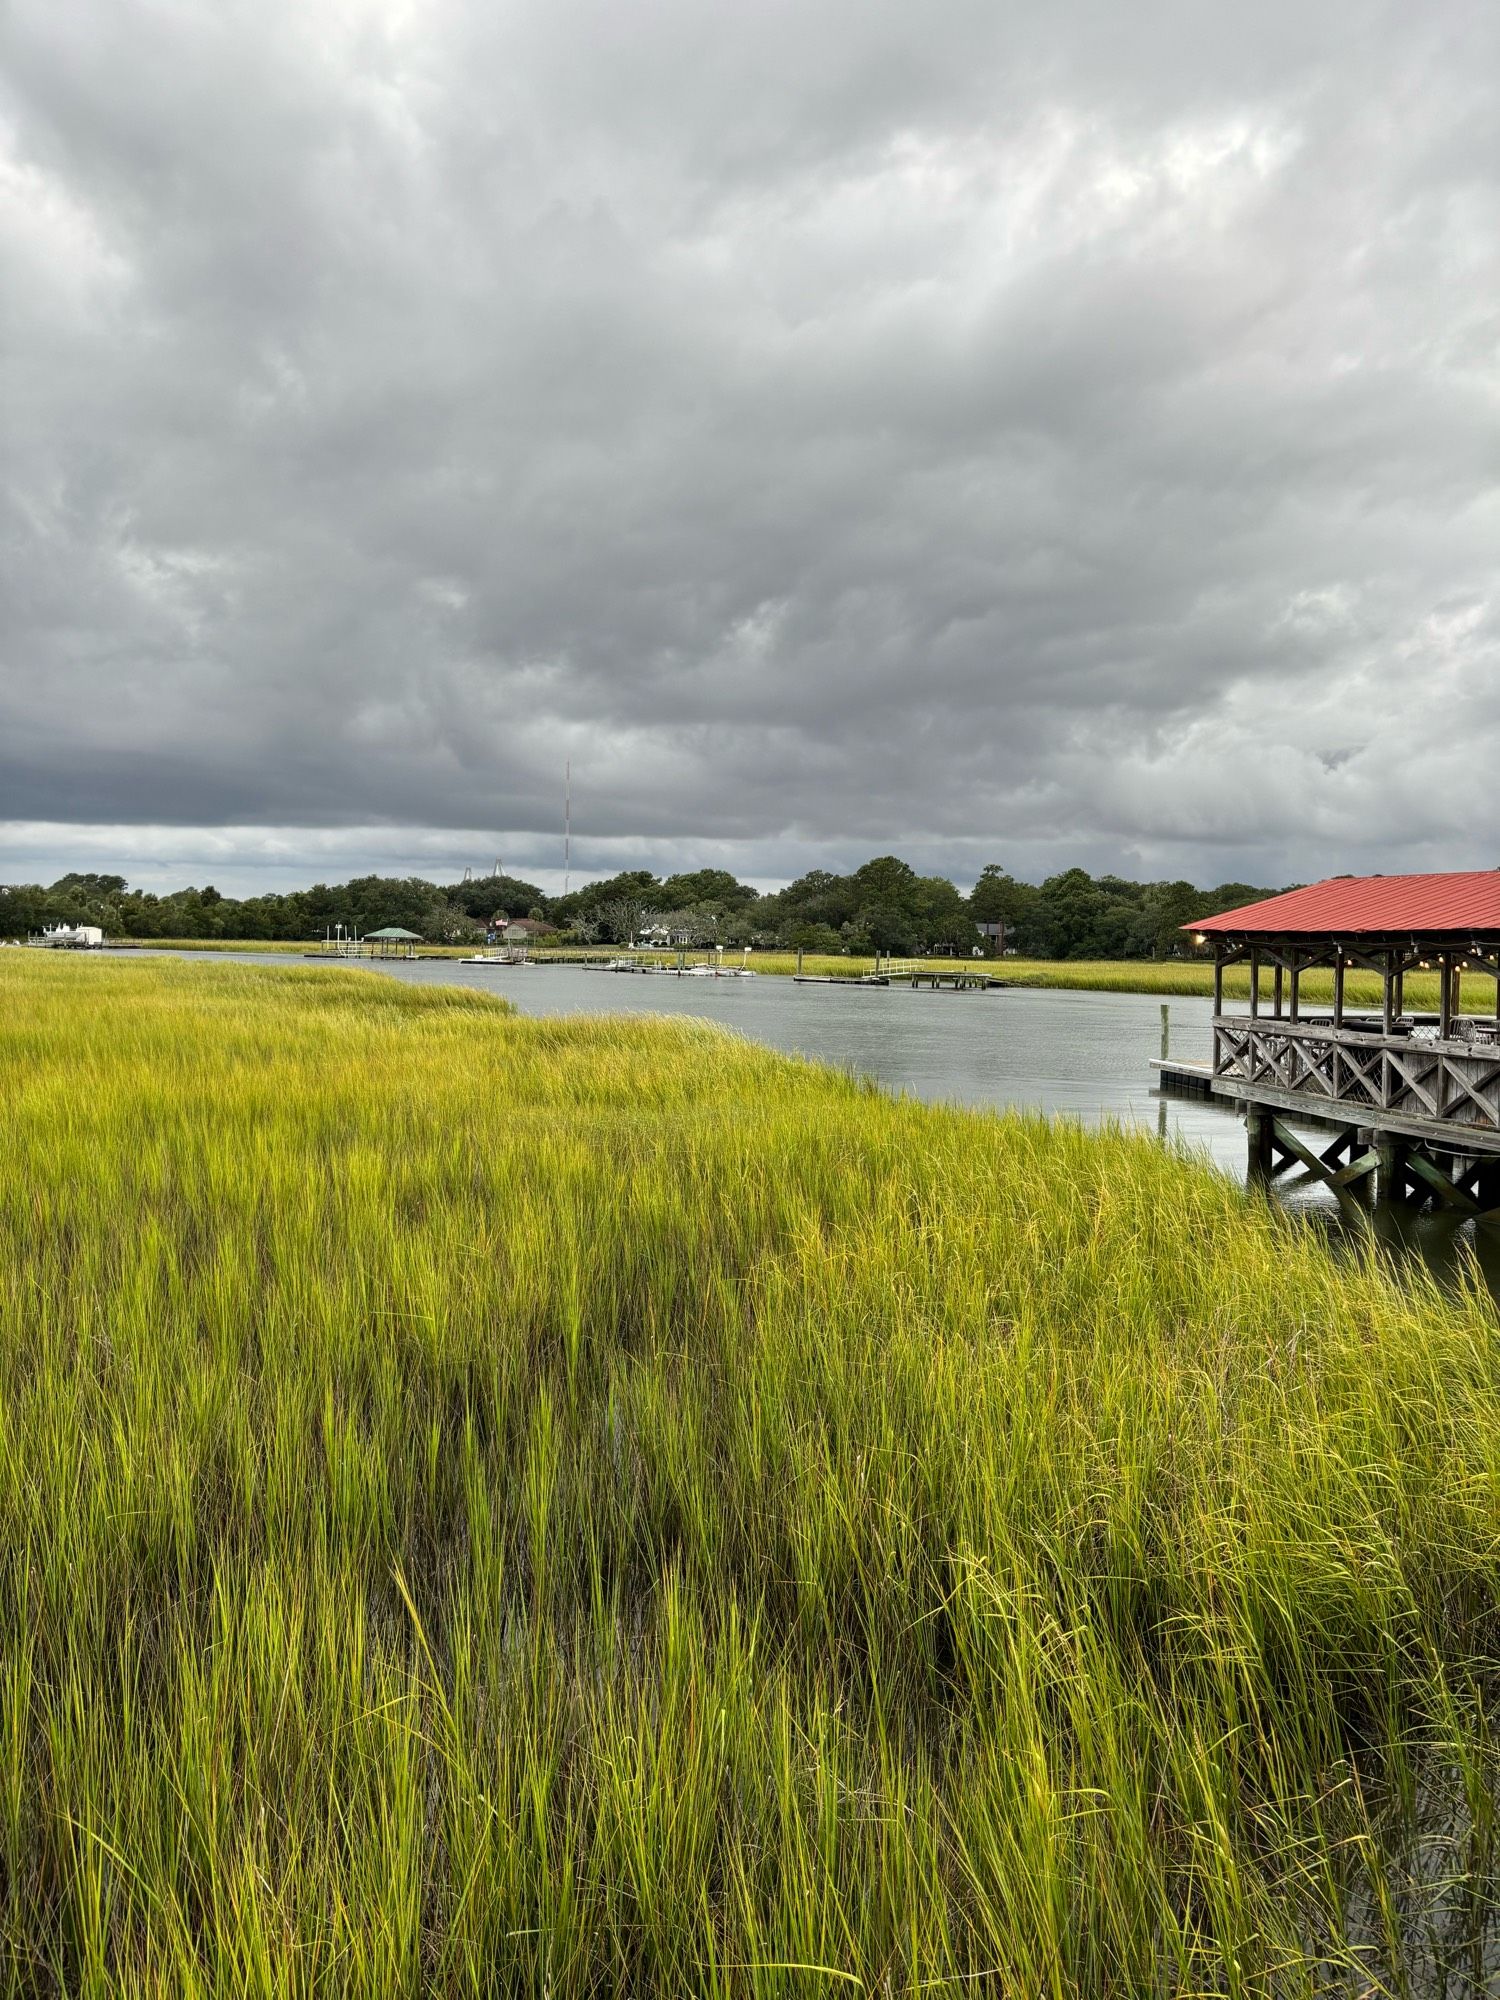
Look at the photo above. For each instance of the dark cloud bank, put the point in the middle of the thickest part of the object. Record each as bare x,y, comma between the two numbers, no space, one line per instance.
1048,434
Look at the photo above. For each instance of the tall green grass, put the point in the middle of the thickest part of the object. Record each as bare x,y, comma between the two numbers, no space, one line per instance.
493,1506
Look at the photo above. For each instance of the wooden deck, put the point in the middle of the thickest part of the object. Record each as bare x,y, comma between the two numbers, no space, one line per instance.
1414,1121
1445,1092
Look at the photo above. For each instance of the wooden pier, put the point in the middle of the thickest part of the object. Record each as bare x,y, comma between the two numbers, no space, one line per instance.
945,982
909,973
1413,1099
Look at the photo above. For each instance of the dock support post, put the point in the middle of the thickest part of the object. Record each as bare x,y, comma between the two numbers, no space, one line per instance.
1390,1167
1258,1123
799,961
1166,1028
1365,1140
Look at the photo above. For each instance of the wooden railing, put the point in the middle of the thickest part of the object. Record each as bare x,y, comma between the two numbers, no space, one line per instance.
1457,1082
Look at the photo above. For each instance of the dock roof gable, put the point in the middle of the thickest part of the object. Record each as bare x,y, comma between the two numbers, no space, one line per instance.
1459,905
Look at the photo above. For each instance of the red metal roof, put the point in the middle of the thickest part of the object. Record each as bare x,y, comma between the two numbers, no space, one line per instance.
1352,905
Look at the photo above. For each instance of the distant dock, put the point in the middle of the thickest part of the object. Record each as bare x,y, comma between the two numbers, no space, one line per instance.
839,979
911,976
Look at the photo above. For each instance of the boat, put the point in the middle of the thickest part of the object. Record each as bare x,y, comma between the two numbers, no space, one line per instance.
70,937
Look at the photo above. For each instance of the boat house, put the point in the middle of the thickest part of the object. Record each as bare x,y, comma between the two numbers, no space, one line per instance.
392,942
1414,1097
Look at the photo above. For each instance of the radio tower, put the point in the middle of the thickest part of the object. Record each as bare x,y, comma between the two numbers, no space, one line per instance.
567,826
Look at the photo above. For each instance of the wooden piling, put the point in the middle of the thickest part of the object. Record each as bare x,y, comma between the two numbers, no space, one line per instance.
1258,1133
1390,1166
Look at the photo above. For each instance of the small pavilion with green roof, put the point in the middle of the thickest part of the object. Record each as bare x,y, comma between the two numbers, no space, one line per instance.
392,942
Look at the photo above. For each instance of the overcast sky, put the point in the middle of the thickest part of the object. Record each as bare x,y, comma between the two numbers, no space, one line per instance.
1045,433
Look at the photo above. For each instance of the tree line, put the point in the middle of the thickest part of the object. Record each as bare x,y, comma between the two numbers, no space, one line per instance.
883,906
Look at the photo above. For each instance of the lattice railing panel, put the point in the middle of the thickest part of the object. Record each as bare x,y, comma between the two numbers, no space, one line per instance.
1458,1083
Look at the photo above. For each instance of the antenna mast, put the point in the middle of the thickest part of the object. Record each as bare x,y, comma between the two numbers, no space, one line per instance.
567,826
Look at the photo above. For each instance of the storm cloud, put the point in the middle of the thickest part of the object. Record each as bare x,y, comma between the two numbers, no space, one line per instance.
1043,433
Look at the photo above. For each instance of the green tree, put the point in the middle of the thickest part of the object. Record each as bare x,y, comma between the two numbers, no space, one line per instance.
997,898
887,880
939,915
707,886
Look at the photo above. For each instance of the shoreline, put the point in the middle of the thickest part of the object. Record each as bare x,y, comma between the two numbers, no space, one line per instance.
1165,979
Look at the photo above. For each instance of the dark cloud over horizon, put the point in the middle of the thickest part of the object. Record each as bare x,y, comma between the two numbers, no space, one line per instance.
1064,433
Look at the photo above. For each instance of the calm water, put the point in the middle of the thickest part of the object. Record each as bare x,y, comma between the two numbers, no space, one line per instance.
1087,1055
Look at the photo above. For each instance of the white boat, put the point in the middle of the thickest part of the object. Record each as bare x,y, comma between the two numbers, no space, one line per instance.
70,937
494,958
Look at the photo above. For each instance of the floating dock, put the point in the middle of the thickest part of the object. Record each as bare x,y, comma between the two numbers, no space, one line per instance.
1183,1079
913,978
839,979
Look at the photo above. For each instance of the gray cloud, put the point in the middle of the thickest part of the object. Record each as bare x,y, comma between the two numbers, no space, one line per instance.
1055,433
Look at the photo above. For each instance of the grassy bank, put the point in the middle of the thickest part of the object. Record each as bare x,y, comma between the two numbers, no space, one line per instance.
494,1505
278,948
1166,977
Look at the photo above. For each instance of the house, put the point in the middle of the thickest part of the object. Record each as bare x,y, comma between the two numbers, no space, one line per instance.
664,935
521,930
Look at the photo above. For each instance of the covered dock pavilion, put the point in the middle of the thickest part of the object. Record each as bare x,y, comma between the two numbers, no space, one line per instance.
1413,1097
392,942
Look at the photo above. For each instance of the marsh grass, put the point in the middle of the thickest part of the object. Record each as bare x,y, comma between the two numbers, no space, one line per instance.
493,1505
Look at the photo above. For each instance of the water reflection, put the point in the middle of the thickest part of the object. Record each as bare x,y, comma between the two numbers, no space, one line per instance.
1459,1250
